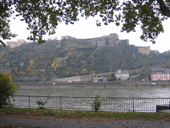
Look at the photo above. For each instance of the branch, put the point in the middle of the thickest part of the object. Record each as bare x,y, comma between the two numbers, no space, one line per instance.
164,9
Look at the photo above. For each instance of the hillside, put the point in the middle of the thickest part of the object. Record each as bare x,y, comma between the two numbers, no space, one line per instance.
71,57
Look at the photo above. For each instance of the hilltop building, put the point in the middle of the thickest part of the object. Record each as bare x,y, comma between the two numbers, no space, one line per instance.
144,50
106,36
122,74
160,74
13,44
125,41
114,36
107,40
67,37
20,41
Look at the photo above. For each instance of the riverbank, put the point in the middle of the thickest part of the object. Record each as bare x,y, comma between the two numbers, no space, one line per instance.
111,83
77,115
42,118
89,86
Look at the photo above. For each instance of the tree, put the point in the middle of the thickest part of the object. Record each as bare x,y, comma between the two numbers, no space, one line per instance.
43,16
7,89
29,70
84,71
22,73
97,103
16,70
111,77
107,42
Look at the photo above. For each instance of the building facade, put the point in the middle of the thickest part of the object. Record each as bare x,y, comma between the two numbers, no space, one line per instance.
160,74
122,74
144,50
20,41
67,37
13,44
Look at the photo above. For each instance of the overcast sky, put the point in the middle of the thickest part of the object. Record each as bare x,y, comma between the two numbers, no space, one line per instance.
86,28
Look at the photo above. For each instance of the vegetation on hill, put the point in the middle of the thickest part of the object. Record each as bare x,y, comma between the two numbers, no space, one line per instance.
72,57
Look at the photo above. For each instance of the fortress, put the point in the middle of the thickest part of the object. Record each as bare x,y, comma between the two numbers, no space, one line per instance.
144,50
107,40
13,44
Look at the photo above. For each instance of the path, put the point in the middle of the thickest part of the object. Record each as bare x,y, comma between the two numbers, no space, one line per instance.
59,124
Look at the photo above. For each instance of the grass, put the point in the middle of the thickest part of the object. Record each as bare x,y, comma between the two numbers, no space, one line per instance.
78,113
13,126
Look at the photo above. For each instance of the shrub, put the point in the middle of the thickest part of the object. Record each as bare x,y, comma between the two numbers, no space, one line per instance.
41,103
7,89
97,103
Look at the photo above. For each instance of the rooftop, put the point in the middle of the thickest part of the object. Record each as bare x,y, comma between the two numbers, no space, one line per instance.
160,70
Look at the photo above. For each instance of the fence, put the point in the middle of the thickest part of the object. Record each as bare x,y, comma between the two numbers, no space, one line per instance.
84,103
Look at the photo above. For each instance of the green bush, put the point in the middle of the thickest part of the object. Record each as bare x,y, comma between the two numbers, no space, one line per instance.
41,103
7,89
97,103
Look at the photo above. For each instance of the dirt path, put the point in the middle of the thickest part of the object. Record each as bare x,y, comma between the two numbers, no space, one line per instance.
64,119
64,122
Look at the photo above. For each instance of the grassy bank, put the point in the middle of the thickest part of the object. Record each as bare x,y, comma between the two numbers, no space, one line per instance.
78,113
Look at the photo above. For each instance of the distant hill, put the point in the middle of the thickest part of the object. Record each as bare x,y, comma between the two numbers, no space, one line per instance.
71,57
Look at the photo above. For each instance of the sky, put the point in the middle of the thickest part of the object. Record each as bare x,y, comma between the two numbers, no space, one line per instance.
86,28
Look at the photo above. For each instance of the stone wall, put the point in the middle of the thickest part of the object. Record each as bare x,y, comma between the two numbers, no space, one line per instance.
144,50
85,78
96,84
146,83
112,38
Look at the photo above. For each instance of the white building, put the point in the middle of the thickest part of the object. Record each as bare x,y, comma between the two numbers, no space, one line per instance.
122,74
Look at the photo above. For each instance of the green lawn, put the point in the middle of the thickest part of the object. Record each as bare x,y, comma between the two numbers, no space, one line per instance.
78,113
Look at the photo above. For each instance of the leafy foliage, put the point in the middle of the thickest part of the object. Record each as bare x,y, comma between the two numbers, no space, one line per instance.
97,103
84,71
111,77
41,103
7,89
43,16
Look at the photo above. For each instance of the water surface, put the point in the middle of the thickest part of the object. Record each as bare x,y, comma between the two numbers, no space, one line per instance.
142,91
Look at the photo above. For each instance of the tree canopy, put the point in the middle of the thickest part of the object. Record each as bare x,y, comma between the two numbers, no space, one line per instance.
7,89
43,16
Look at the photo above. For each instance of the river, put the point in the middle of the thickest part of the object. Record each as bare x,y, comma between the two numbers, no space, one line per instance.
116,98
139,92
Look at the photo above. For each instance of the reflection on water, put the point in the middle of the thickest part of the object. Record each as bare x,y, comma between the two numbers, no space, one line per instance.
148,91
